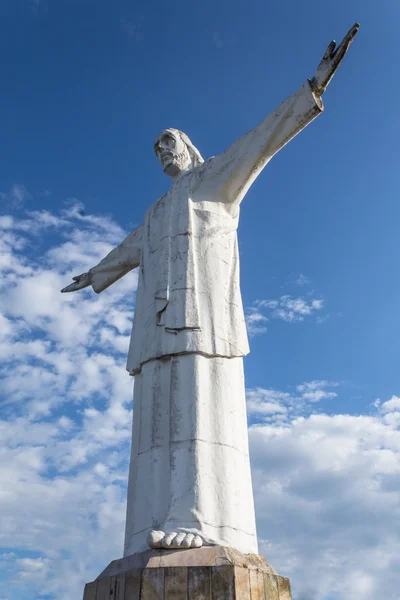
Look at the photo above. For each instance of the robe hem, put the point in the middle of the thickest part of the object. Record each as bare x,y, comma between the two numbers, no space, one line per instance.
196,439
186,525
137,370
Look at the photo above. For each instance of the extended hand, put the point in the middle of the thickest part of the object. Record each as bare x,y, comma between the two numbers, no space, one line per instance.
81,281
330,62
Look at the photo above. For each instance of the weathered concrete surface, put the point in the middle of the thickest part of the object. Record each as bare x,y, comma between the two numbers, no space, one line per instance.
190,468
189,480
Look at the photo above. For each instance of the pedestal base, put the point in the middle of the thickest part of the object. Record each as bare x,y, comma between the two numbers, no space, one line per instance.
208,573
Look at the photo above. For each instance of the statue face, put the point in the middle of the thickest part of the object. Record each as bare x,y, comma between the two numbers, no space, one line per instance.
172,153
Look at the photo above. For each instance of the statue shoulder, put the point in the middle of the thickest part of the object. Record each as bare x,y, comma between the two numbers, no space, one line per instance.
199,173
155,206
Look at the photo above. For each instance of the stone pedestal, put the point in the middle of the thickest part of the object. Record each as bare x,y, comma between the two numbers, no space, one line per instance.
208,573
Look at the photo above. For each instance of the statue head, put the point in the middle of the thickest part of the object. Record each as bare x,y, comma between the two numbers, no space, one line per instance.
176,152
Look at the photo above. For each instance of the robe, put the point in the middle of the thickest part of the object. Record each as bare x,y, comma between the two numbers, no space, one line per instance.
189,314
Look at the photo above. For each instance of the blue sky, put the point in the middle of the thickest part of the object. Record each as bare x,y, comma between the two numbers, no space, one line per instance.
87,86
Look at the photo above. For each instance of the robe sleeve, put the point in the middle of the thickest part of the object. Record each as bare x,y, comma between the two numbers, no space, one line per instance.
230,174
118,262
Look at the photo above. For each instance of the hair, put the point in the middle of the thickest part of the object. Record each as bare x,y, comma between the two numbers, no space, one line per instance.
194,154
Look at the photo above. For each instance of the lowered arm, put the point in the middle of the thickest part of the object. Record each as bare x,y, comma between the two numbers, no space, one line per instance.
115,265
118,262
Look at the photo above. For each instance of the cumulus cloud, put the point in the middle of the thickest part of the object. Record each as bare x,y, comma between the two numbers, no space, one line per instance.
274,405
255,321
327,502
291,309
326,486
267,402
286,308
66,400
314,391
392,405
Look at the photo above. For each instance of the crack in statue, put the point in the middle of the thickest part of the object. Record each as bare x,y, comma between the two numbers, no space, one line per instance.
189,479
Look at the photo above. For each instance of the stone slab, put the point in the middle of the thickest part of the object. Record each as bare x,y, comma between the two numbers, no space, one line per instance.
199,583
271,587
222,583
103,589
132,585
284,588
176,583
257,585
242,583
152,584
90,591
117,587
207,556
210,573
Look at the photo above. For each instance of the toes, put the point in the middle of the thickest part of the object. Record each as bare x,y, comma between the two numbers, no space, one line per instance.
177,542
168,540
187,540
197,542
158,539
154,539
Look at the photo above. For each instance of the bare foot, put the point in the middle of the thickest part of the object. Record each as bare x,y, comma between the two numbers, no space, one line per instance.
171,541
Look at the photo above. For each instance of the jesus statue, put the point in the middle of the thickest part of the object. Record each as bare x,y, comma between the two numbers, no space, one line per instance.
189,479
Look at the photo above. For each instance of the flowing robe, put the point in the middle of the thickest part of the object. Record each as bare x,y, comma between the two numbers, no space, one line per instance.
189,466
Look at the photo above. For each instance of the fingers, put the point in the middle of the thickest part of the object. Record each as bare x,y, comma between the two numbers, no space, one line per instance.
351,34
330,49
80,281
354,29
72,287
344,46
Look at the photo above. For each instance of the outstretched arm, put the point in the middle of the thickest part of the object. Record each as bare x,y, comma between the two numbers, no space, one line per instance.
231,173
115,265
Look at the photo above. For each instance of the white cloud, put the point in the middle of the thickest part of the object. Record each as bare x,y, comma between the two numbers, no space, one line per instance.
314,391
66,403
391,405
286,308
255,322
326,487
302,280
265,404
327,499
293,309
16,196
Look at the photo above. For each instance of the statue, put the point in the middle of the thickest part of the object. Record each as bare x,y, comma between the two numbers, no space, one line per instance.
189,480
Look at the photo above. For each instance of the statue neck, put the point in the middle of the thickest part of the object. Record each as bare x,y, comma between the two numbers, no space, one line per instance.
178,174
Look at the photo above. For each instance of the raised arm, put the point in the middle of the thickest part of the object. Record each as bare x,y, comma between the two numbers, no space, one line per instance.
115,265
231,173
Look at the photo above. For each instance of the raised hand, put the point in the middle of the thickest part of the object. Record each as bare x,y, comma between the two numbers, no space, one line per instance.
330,62
80,282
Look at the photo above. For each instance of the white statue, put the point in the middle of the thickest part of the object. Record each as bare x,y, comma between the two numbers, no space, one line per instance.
189,480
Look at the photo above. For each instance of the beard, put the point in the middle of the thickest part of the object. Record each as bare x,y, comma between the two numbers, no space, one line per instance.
176,163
